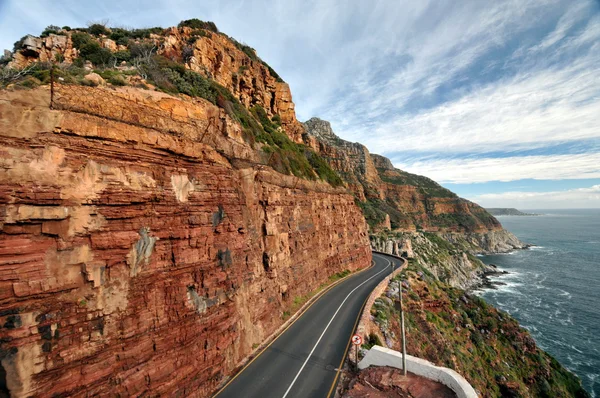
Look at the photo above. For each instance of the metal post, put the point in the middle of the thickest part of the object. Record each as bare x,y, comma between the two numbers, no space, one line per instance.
356,356
403,333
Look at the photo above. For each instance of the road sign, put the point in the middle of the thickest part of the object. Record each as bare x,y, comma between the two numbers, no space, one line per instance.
356,340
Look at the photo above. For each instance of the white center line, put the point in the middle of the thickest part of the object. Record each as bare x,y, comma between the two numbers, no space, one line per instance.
327,327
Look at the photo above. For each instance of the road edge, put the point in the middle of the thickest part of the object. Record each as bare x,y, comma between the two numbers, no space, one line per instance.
244,363
345,363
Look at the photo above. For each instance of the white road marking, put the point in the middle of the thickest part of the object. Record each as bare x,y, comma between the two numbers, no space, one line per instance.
327,327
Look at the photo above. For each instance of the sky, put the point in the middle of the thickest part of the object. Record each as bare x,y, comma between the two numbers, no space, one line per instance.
497,101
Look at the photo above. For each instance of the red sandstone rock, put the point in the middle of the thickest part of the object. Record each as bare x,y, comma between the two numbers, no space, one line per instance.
384,382
134,257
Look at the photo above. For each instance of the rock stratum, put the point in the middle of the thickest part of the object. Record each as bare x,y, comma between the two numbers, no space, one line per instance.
394,199
136,257
162,213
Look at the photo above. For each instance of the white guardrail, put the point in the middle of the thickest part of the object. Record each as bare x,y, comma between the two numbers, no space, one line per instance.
381,356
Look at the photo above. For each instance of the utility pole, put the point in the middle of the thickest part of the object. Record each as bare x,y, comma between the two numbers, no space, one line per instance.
403,333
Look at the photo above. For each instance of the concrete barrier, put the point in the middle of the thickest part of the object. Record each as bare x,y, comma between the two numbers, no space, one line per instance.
362,329
381,356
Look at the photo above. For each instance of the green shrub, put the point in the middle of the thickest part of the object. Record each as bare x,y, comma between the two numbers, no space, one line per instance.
123,55
372,340
93,52
117,81
196,23
324,171
50,29
29,82
19,43
120,36
79,39
66,28
98,29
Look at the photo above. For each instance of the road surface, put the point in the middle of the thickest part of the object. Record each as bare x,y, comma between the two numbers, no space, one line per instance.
303,361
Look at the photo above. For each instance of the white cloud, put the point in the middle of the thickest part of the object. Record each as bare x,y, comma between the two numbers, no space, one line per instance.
529,110
473,170
568,199
376,70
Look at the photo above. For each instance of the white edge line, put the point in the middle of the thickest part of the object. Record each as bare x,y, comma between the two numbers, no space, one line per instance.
327,327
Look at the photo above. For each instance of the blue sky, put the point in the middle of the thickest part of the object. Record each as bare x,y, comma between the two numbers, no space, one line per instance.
499,101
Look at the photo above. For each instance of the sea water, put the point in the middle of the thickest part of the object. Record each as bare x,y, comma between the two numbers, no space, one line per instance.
553,288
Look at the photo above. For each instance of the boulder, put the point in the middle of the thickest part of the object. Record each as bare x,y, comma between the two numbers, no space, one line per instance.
95,79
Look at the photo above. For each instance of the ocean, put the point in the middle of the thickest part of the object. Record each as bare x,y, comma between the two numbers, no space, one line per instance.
553,288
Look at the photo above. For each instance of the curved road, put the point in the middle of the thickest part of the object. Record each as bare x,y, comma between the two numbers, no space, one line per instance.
303,361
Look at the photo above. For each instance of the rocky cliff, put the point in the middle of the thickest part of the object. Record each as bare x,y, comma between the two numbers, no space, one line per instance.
233,65
165,209
395,199
397,203
144,247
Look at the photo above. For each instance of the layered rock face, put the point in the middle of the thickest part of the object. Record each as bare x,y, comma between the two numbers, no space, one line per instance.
135,256
410,201
351,160
217,56
212,54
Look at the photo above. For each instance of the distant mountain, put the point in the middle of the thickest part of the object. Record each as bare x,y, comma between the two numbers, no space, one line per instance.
500,211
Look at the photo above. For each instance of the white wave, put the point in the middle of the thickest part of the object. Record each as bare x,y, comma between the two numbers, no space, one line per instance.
532,328
512,275
509,288
576,349
565,294
573,362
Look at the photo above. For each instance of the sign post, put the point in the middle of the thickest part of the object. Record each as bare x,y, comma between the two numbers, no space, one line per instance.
357,341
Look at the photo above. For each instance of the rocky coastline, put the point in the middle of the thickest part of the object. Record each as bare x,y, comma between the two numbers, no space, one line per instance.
449,325
457,253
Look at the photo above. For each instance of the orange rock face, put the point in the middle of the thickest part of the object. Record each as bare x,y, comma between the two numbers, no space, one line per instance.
47,49
215,55
135,257
408,202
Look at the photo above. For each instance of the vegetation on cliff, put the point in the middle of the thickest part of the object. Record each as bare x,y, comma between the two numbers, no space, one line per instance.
508,212
412,202
134,59
458,330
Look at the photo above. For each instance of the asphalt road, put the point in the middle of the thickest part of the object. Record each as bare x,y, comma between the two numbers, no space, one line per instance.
303,361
